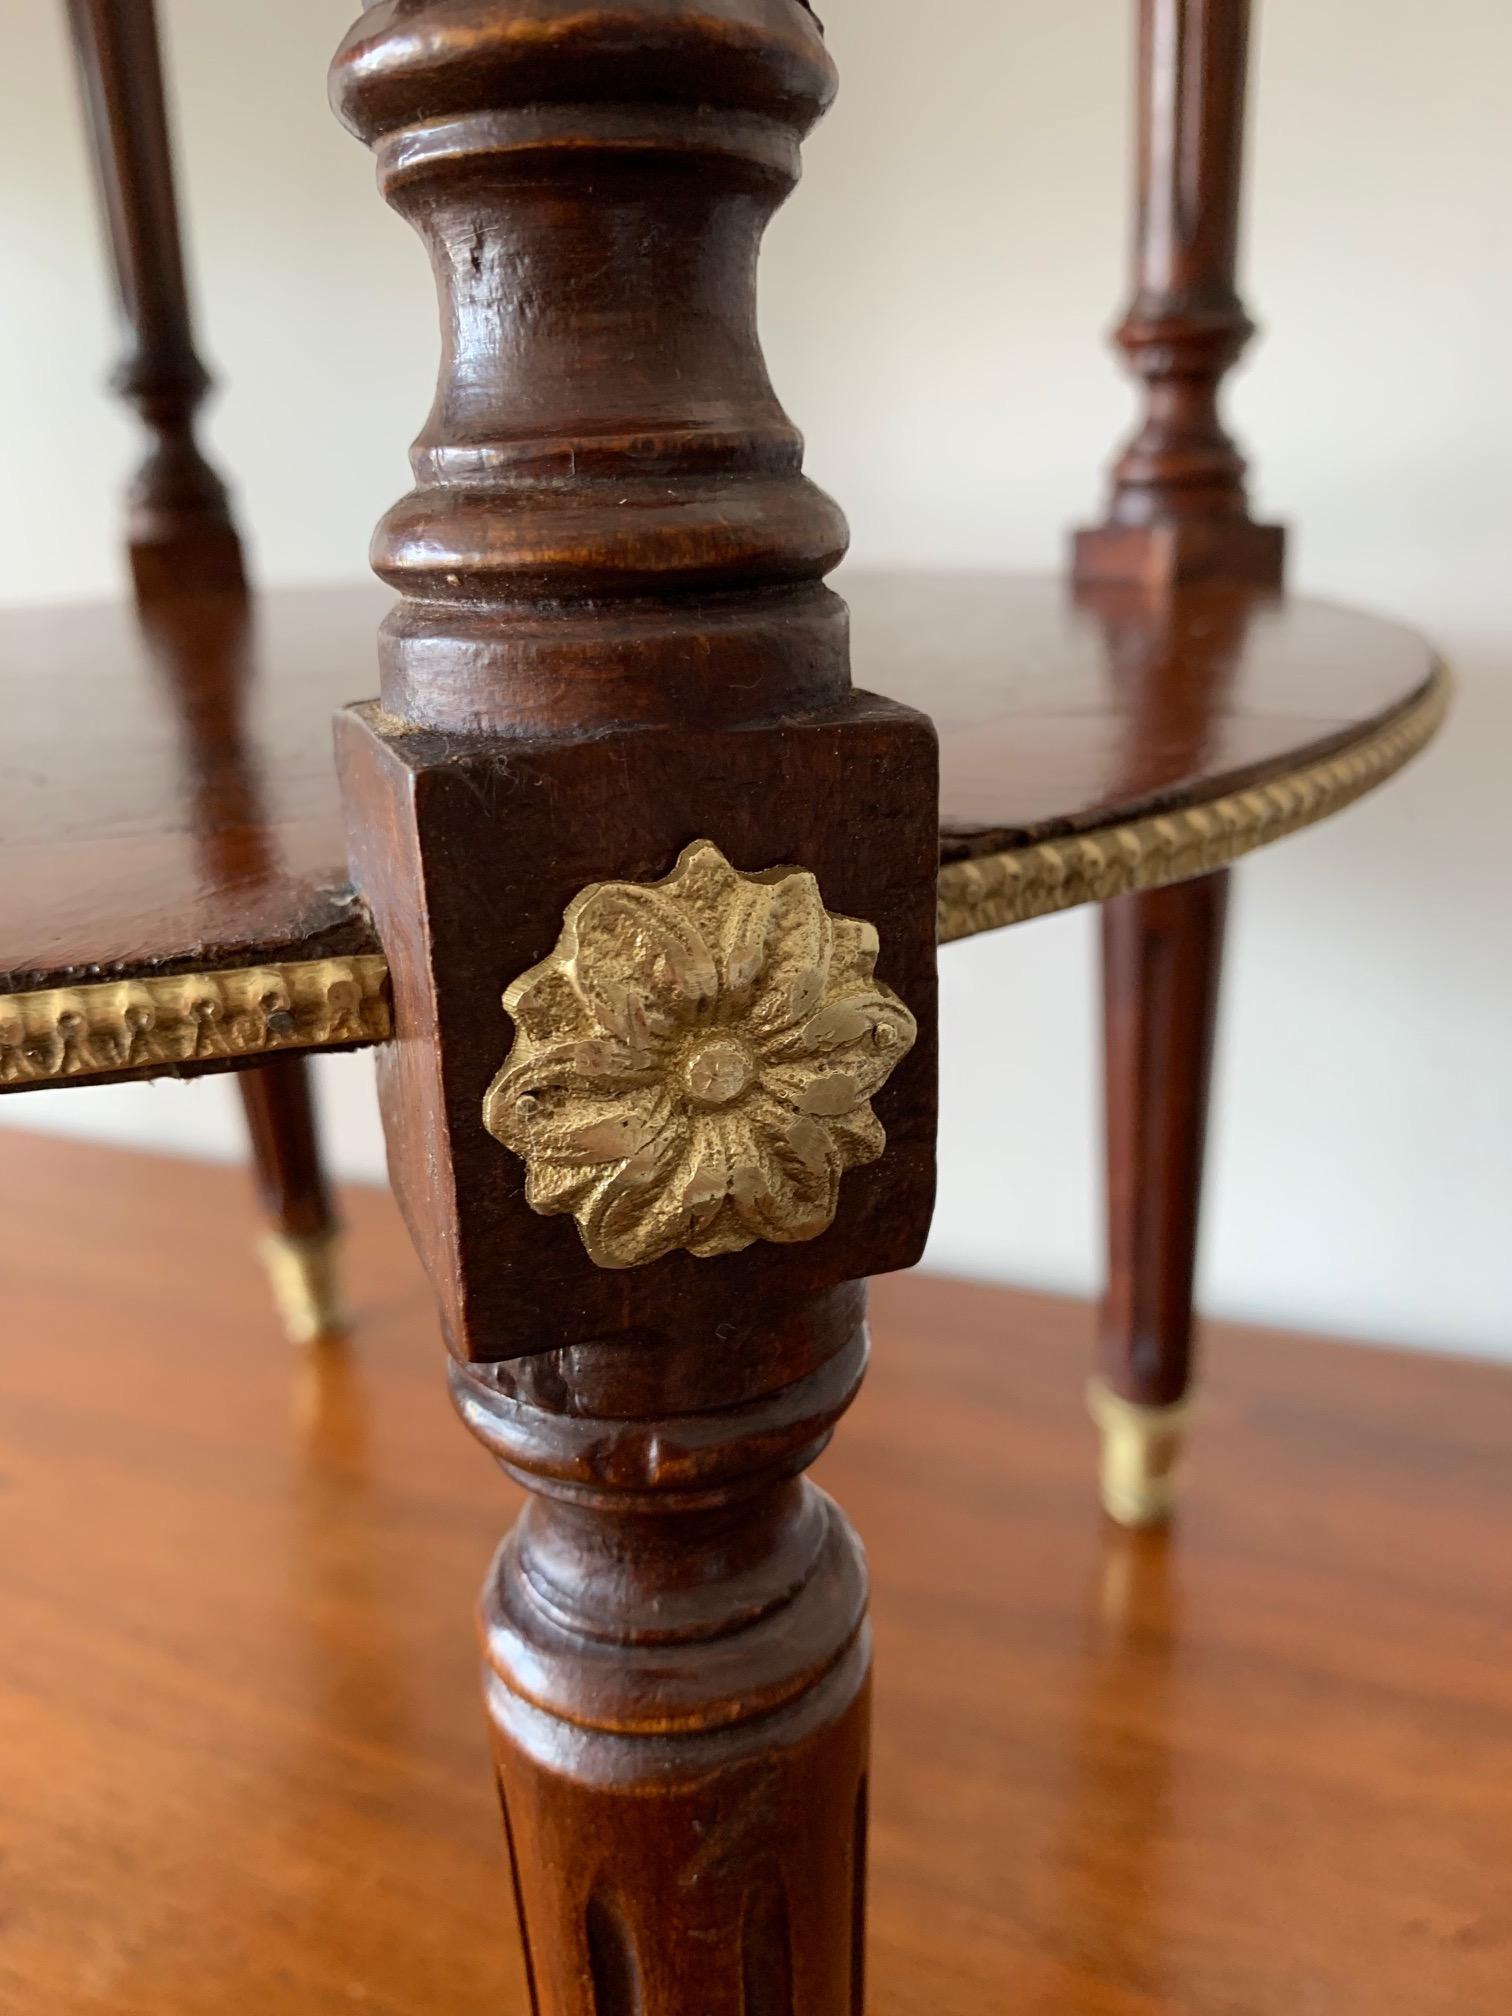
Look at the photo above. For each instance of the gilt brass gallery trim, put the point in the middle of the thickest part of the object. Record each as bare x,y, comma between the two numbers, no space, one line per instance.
694,1064
1025,882
60,1034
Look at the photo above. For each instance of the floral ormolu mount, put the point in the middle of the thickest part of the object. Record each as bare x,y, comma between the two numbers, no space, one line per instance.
695,1062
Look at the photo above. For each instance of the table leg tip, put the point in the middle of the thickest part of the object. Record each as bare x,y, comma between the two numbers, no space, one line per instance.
1141,1455
304,1276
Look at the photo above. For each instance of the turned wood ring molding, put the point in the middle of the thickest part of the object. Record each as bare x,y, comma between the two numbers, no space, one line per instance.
994,890
57,1035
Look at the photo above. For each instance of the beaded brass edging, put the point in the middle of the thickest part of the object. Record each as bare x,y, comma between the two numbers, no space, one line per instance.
1024,882
59,1034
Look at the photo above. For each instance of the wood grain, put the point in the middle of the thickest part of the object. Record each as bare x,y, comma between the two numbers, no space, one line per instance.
198,823
1264,1768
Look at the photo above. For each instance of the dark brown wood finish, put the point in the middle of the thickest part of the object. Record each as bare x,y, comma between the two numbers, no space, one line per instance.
198,823
1261,1764
181,534
285,1149
1179,511
1179,514
613,639
182,542
1044,729
1162,958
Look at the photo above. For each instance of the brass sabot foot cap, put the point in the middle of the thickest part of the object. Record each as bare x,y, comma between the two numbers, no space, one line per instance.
1141,1454
302,1270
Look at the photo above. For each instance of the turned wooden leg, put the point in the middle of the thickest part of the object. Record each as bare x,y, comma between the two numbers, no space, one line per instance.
658,891
676,1652
1179,511
677,1679
182,542
300,1245
181,536
1162,956
1178,515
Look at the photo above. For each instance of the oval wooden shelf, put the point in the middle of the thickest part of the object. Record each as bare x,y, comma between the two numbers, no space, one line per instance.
170,805
1062,715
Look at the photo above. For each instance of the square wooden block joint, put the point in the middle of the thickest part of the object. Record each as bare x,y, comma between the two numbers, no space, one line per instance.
1180,554
718,1082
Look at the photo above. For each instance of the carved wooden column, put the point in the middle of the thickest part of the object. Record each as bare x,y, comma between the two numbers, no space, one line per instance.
1178,517
1179,511
657,891
182,542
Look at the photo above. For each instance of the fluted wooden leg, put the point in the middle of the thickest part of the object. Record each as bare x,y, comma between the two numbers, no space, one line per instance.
658,891
1162,957
677,1670
300,1245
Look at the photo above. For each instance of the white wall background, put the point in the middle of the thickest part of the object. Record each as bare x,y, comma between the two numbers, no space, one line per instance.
933,304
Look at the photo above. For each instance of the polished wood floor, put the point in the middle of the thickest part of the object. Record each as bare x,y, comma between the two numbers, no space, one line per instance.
1264,1770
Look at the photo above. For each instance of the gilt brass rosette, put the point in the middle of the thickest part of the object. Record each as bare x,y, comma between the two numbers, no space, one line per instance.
694,1063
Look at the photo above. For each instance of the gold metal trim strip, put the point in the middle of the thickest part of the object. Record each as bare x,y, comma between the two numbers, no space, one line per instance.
60,1034
1009,888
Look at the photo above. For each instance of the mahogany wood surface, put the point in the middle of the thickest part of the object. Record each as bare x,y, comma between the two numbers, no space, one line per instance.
280,1113
614,638
181,539
179,516
1264,1766
1179,512
198,822
1162,953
